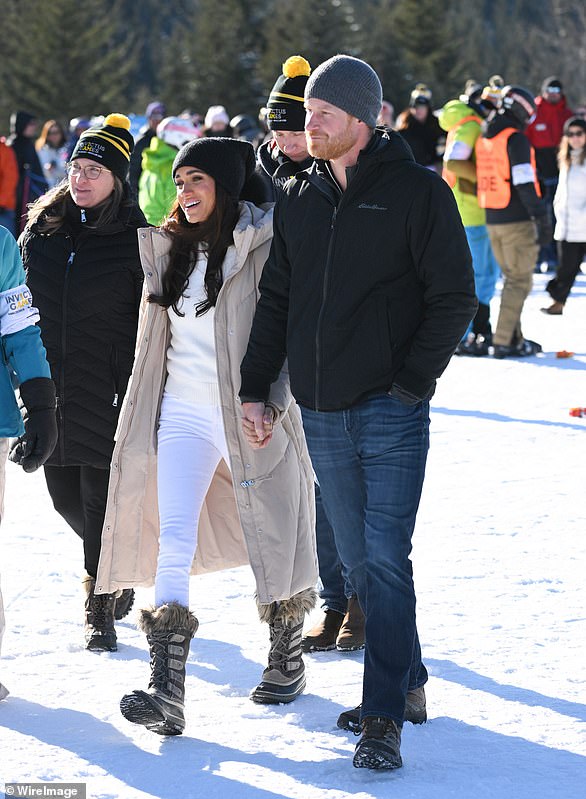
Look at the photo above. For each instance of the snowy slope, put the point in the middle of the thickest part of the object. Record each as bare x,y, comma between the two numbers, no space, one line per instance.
499,554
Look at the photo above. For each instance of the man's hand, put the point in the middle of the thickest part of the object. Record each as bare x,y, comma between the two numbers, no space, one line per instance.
257,423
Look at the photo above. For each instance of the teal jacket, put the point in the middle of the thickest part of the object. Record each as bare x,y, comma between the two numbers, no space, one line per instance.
156,190
21,348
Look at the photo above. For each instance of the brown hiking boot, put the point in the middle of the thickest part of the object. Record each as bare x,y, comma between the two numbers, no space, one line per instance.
555,309
351,635
415,712
322,637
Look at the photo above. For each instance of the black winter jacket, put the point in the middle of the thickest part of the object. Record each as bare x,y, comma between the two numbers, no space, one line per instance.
275,168
364,289
87,286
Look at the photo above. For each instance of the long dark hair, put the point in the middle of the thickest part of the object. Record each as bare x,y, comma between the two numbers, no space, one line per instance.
50,211
213,236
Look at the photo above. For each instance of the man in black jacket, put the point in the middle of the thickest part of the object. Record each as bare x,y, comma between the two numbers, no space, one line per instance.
278,160
367,291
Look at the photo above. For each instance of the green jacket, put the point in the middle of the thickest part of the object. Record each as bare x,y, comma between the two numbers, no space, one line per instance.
156,190
460,146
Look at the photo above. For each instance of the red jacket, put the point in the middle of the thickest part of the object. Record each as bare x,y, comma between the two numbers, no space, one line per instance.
547,127
8,177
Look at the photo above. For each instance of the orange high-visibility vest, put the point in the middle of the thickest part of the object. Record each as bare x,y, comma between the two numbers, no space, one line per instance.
493,170
447,175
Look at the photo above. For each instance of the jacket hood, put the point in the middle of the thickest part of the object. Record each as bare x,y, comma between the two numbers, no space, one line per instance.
452,112
385,145
254,227
267,156
19,120
157,154
271,158
500,122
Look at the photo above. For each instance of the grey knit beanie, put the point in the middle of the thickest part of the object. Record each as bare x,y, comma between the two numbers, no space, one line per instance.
349,84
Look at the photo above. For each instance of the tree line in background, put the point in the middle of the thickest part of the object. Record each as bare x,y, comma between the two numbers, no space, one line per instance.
64,58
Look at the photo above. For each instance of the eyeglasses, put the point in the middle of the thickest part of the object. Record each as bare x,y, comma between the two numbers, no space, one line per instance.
573,133
74,170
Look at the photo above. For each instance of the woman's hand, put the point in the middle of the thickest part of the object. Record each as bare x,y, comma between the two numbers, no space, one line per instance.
257,423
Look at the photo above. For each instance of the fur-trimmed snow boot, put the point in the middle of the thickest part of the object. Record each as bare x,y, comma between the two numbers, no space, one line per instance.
284,677
100,635
169,630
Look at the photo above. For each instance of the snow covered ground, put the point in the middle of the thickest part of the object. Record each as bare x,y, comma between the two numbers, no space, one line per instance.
499,554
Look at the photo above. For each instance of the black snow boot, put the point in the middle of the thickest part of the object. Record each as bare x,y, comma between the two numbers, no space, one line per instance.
124,603
284,677
100,635
169,630
415,712
380,744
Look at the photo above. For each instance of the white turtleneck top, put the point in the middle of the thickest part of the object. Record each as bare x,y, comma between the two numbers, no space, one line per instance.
192,373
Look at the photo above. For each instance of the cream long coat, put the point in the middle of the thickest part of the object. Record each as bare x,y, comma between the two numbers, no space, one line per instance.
261,510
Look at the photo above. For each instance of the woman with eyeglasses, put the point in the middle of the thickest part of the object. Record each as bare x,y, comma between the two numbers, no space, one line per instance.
52,152
80,252
570,210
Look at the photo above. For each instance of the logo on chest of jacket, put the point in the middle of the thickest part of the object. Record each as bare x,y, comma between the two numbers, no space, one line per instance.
373,207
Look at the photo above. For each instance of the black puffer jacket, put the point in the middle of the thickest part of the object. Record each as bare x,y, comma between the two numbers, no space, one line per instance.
87,285
365,289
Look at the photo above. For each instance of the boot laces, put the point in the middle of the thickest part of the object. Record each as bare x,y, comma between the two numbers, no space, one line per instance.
280,651
101,610
159,658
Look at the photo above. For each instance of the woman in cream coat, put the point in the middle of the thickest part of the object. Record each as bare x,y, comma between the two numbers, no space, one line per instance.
187,493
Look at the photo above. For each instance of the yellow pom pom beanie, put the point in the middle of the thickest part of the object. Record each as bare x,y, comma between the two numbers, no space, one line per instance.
109,145
285,110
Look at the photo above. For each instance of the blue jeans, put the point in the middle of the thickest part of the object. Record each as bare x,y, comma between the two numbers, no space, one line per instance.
335,590
485,265
370,463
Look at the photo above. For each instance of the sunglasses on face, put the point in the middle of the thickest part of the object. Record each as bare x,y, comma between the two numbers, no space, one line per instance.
571,134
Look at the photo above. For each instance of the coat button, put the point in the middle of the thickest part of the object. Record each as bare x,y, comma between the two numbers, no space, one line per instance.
149,274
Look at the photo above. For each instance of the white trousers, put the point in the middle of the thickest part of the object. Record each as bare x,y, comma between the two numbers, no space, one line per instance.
191,443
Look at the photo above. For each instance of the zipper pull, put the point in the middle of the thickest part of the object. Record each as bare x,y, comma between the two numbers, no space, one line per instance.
70,259
83,215
115,401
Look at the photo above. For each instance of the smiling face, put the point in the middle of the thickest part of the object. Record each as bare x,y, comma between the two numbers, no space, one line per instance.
196,193
576,137
88,193
331,132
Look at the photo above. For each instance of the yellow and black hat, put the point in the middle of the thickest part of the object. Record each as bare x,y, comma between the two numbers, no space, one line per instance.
285,109
110,145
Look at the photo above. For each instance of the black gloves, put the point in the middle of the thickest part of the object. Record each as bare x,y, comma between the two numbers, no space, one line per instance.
40,424
544,230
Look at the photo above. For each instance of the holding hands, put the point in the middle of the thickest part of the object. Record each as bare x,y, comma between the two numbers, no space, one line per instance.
257,423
